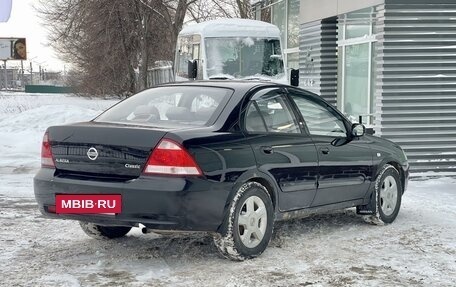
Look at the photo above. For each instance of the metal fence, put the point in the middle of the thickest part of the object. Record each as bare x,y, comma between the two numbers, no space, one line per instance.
160,75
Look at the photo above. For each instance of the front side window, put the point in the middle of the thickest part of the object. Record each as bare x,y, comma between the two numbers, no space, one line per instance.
320,119
270,113
169,106
243,57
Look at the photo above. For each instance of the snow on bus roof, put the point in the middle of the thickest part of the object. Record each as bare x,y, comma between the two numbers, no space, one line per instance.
232,28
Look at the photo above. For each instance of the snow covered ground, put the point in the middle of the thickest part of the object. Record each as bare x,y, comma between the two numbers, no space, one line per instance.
337,249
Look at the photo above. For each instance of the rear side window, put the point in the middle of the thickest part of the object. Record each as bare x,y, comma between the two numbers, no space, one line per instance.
270,113
169,106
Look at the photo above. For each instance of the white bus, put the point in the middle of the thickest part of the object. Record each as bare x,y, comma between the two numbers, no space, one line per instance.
230,49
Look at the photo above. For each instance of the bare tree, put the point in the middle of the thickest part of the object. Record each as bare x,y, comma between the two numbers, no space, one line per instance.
205,10
161,22
98,39
113,42
212,9
244,8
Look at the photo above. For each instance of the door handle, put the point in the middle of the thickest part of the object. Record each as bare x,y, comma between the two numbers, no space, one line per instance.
324,150
267,149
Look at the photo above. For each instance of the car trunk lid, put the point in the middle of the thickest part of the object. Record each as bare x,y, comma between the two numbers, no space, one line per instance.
102,150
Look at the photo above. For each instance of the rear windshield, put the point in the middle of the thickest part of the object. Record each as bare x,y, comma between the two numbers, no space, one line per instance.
169,107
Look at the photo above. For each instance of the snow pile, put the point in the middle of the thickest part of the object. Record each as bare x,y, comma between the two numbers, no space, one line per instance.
24,119
232,28
12,103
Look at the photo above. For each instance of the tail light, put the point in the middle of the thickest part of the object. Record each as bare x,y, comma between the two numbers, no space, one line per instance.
46,153
171,158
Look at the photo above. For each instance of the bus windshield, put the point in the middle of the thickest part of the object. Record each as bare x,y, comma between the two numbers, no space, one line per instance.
243,57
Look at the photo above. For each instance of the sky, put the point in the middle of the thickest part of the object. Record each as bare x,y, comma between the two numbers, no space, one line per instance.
25,22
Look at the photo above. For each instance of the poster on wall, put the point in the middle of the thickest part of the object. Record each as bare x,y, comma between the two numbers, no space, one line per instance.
13,49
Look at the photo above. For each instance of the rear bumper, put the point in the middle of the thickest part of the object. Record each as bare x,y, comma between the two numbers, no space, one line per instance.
158,202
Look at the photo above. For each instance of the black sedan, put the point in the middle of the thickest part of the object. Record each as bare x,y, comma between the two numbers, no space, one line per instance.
224,157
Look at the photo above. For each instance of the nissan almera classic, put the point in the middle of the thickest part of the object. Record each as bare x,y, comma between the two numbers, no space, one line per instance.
224,157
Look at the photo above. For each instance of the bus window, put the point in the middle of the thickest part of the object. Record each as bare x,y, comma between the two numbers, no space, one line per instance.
189,50
196,53
183,56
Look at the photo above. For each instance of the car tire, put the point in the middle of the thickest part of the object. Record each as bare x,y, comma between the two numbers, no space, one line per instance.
104,232
247,228
388,195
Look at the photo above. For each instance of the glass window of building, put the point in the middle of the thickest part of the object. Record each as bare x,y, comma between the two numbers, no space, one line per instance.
356,65
266,14
293,60
279,18
293,24
358,23
285,15
356,78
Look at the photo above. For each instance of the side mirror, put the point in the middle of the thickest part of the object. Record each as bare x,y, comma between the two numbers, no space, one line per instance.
294,77
369,131
358,130
192,69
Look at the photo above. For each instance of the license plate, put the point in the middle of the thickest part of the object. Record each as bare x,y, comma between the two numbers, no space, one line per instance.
88,203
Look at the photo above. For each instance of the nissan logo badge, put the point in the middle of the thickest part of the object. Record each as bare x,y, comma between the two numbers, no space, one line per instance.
92,153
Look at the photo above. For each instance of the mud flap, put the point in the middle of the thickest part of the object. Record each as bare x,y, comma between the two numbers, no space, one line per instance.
369,208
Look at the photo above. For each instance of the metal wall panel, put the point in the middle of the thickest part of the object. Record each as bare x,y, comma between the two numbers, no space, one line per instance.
318,58
314,10
416,81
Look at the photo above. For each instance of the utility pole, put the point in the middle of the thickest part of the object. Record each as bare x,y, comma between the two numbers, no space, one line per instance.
31,73
22,74
6,75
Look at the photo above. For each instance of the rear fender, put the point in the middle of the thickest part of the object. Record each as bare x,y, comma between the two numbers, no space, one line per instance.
252,175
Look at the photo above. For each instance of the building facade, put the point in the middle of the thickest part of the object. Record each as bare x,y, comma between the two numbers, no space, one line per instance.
391,61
